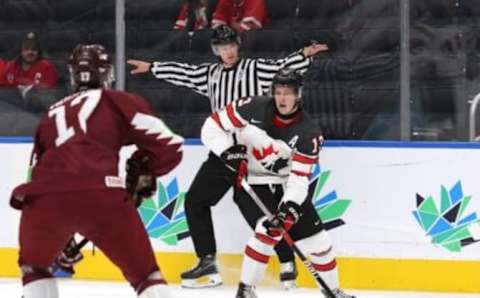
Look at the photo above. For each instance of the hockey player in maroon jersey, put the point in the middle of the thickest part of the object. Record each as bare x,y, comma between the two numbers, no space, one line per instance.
75,186
278,145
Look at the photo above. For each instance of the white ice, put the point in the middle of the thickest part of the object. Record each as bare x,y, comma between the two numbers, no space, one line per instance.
11,288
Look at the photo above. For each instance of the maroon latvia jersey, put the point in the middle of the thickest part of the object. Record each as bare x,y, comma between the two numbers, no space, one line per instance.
77,142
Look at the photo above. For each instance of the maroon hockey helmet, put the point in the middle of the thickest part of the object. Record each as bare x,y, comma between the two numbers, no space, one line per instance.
90,67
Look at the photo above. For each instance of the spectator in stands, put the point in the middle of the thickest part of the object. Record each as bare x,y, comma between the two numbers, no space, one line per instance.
241,15
2,69
198,15
29,69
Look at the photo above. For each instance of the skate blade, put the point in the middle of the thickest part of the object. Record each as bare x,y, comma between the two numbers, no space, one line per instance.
208,281
289,285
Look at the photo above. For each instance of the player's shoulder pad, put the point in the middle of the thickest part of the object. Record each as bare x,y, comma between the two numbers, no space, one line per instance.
310,137
121,95
253,101
309,124
252,107
127,100
263,99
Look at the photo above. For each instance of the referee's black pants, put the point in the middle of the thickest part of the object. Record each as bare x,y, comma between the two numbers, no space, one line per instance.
208,187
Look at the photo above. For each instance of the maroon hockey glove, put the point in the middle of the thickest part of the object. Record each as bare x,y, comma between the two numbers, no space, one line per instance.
140,182
287,215
235,159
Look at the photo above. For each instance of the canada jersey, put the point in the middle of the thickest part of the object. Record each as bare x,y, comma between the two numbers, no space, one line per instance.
275,150
78,140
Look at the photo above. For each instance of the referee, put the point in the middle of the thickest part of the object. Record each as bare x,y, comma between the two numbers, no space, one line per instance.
231,78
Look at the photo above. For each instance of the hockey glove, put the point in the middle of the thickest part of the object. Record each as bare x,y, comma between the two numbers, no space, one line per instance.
67,259
287,215
235,159
140,182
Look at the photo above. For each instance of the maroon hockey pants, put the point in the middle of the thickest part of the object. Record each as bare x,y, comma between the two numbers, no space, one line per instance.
105,217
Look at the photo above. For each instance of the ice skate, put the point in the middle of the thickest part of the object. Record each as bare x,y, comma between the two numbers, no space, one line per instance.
204,275
245,291
288,275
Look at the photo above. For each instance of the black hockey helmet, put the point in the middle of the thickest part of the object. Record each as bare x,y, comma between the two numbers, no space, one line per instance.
288,77
90,67
222,35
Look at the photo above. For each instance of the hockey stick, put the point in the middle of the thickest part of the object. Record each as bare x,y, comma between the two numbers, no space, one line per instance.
320,282
76,250
71,251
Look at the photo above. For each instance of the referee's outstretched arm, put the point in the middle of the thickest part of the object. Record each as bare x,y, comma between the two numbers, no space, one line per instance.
187,75
299,60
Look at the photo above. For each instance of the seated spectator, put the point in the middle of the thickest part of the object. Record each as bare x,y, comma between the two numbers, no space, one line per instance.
199,15
29,69
2,69
241,15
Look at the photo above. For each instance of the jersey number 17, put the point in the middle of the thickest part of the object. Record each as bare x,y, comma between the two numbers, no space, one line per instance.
89,101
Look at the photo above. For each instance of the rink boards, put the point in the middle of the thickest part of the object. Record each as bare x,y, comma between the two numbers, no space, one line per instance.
409,212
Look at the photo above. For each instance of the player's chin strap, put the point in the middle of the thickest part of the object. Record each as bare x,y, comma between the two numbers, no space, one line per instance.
318,279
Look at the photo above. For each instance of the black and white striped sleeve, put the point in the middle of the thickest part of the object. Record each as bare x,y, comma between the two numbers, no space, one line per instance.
194,77
267,68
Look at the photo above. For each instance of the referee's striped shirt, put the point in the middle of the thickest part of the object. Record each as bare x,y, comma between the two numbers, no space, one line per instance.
249,77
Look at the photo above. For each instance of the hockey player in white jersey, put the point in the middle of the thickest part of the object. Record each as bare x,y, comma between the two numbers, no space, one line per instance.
277,144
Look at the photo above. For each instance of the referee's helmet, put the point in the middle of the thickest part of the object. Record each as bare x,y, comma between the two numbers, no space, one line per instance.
223,35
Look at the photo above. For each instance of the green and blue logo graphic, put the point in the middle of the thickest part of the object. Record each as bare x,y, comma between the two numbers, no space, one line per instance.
329,206
164,215
446,224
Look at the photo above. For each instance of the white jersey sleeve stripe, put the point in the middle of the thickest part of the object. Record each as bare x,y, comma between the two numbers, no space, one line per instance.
301,167
154,126
296,189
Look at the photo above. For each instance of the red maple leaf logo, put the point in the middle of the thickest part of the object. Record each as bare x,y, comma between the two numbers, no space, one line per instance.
264,152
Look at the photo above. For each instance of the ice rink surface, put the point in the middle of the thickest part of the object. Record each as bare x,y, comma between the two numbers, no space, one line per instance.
11,288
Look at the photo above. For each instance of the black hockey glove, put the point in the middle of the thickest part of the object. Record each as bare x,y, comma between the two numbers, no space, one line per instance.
140,182
70,256
235,159
287,215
